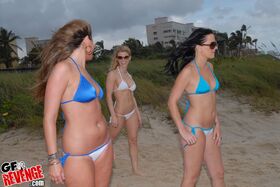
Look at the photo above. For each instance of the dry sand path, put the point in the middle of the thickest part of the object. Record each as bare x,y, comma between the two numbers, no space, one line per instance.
251,149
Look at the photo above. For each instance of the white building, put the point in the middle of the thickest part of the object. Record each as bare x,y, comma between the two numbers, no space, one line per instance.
164,31
32,42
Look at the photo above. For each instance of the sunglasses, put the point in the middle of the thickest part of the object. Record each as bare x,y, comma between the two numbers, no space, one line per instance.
122,57
212,45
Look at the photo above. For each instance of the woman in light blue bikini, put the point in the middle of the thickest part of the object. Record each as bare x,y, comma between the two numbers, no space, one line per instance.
64,83
200,127
124,112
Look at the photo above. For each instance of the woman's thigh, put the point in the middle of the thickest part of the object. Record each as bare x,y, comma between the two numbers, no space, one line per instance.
79,171
114,131
103,167
132,126
213,157
193,155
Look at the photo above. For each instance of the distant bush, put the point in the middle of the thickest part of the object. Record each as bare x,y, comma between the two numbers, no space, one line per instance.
18,108
257,77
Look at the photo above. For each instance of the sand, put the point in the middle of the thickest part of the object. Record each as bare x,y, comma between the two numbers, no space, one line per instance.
251,149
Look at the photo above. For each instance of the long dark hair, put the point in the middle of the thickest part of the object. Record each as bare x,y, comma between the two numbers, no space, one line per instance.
185,52
62,44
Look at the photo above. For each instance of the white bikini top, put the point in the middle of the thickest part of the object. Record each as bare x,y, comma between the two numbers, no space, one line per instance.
123,85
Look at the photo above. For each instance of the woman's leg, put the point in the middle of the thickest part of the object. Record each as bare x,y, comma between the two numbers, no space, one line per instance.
193,158
214,162
132,125
79,171
103,167
114,131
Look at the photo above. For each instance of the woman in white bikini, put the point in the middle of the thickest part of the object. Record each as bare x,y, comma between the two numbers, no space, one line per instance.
124,111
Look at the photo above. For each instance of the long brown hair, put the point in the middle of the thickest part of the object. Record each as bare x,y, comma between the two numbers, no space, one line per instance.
63,42
121,48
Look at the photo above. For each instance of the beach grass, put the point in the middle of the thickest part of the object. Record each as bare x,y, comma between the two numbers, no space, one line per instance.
255,78
19,109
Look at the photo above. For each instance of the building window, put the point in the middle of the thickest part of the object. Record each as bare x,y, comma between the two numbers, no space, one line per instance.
155,38
170,36
155,33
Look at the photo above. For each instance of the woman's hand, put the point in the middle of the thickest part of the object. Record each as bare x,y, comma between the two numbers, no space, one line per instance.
114,121
217,135
188,136
56,172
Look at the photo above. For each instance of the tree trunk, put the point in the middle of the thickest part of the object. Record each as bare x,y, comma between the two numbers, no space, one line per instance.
8,64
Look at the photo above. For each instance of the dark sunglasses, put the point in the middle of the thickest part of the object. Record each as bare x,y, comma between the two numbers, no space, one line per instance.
212,45
122,57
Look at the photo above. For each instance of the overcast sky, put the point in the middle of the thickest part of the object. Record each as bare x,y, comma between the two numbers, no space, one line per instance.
114,21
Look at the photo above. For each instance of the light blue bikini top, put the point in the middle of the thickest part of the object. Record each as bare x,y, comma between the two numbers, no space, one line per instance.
85,91
203,86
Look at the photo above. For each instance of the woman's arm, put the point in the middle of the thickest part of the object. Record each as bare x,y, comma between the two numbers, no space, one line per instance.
217,135
53,95
180,84
217,120
109,96
137,111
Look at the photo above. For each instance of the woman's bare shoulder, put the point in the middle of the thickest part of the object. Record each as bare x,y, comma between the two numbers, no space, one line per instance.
187,70
62,68
63,65
112,74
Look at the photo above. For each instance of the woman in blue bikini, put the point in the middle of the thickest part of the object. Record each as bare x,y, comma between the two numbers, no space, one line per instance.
124,112
200,127
63,82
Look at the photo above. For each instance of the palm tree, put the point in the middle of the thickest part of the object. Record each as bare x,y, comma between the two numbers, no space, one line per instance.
276,50
223,41
34,56
134,45
244,29
172,43
99,49
235,41
8,52
248,40
244,33
254,41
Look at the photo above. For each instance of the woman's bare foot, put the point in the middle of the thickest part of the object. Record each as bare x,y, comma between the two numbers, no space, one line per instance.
138,173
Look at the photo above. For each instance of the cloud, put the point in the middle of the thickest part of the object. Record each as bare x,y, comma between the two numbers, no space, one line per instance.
267,8
104,16
115,21
222,12
41,17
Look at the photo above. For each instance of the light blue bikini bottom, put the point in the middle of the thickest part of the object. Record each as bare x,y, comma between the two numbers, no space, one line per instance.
206,131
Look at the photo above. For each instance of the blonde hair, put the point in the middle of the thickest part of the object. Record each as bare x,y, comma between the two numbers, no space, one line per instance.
121,48
63,42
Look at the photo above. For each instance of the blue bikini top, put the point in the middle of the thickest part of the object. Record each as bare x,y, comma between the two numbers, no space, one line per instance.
203,86
85,91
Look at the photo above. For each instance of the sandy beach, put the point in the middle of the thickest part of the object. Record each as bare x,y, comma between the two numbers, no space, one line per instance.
251,149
